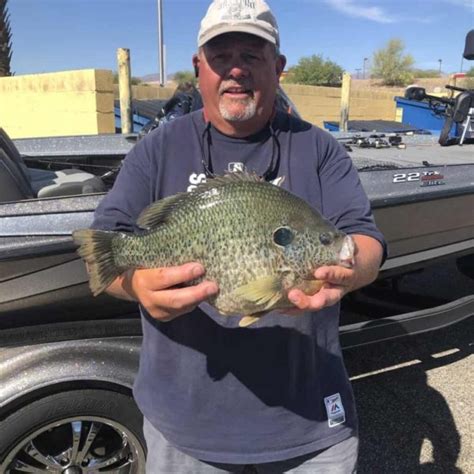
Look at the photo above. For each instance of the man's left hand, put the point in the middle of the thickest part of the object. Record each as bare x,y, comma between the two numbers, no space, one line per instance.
337,282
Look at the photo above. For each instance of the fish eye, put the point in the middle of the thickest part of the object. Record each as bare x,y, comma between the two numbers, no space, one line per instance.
283,236
325,238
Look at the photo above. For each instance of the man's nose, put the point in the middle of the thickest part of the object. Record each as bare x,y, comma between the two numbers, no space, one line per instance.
238,70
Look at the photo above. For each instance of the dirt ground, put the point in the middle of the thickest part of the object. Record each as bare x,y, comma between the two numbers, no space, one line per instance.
430,84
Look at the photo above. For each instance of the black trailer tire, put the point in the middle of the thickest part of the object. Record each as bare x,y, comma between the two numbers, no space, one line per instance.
107,425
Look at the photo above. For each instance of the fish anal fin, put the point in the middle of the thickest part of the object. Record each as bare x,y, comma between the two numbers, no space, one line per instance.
249,319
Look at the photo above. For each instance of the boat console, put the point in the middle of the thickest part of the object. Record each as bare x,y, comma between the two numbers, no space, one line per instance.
458,110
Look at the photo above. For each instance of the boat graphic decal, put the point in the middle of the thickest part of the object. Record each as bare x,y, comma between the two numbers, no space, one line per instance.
425,178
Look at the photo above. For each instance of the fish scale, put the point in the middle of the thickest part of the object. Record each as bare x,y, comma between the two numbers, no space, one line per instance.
229,225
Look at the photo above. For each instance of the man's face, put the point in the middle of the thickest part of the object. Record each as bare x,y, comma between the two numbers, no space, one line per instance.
238,77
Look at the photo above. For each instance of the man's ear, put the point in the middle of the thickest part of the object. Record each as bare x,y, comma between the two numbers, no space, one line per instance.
280,64
196,65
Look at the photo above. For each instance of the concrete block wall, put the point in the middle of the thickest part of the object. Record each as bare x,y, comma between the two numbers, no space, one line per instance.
57,104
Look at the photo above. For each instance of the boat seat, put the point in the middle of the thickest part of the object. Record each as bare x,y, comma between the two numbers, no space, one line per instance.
18,182
463,114
464,102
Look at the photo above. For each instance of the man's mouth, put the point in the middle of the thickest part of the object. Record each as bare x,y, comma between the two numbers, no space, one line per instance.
237,92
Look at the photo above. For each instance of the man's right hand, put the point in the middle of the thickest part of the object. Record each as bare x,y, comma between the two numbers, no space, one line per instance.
156,289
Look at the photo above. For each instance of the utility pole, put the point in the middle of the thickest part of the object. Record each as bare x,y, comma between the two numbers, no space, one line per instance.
364,67
440,61
125,90
345,99
160,44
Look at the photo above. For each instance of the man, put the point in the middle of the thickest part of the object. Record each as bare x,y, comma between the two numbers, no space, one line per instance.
274,397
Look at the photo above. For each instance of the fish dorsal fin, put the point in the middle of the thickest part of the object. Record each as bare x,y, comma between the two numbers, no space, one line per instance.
157,213
227,178
263,291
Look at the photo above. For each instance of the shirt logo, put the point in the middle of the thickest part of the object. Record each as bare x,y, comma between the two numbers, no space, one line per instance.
194,180
235,166
335,410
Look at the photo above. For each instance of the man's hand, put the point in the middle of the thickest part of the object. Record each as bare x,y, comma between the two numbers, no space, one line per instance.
338,280
159,290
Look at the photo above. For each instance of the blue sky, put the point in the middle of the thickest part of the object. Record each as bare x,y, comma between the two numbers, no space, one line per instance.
56,35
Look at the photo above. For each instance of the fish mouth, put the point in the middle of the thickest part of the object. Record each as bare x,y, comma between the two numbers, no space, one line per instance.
346,254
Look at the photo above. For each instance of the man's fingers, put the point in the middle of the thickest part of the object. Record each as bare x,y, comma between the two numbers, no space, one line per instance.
179,300
334,274
190,296
155,279
327,296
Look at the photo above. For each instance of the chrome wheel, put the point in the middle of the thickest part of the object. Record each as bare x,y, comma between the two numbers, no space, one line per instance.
84,445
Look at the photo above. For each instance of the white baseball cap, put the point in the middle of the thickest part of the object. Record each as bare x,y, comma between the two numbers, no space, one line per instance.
239,16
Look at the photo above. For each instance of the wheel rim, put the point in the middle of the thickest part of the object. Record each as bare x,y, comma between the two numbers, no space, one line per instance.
79,445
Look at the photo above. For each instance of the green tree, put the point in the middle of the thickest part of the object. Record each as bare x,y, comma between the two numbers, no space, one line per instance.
315,71
422,73
470,73
390,65
5,40
185,77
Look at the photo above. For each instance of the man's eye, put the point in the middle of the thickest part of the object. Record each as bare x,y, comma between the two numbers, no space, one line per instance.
251,57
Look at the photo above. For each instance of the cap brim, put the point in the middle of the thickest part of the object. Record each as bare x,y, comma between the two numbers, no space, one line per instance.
247,28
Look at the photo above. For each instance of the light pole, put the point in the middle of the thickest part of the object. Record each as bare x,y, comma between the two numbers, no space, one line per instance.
364,67
160,43
440,61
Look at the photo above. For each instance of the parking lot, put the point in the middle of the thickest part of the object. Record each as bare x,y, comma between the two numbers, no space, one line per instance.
415,402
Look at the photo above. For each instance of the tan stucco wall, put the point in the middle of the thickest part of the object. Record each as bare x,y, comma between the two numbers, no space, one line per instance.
148,92
56,104
318,104
81,102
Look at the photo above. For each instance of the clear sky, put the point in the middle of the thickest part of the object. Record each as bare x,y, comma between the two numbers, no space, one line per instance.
56,35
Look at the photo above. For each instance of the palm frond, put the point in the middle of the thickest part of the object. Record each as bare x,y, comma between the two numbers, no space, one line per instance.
5,40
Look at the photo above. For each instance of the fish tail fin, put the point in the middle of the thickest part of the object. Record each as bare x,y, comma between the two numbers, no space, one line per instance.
95,247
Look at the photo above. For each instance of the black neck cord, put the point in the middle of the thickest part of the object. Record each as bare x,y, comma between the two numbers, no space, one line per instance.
269,174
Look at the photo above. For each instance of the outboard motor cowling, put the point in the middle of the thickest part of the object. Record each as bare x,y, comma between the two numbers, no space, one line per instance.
469,47
415,93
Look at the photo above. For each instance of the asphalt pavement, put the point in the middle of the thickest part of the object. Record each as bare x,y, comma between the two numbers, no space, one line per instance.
415,401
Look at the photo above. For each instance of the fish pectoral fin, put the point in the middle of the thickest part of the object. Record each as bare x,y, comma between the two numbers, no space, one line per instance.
248,320
263,291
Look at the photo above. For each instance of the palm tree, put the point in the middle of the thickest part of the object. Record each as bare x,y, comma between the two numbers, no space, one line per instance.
5,40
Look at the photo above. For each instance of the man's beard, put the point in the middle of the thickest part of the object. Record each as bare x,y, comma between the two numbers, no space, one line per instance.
236,110
244,111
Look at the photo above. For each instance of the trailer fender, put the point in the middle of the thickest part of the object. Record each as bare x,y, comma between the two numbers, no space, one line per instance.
26,369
